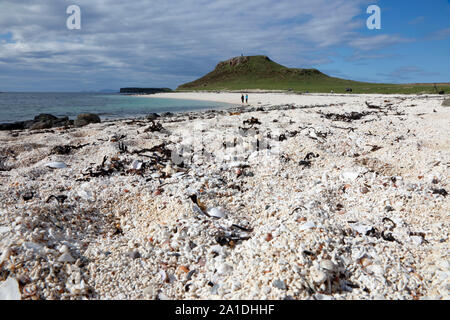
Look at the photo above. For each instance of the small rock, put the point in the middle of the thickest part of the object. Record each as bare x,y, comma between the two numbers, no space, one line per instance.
64,249
318,276
41,125
224,269
150,291
306,226
364,190
152,116
66,257
268,237
56,165
215,289
319,296
279,284
328,265
4,229
360,228
9,290
136,165
217,212
133,254
417,240
350,176
86,118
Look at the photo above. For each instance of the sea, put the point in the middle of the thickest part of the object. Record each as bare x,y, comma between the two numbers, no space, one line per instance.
25,106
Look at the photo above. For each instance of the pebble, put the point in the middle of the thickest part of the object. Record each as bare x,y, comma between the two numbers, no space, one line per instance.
350,176
224,269
9,290
417,240
328,265
56,165
217,212
318,276
66,257
306,226
133,254
280,284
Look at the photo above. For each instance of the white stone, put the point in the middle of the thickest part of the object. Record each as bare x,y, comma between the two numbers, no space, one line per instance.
350,176
306,226
136,165
361,228
33,246
4,229
224,269
64,249
56,165
328,265
217,212
318,276
66,257
9,290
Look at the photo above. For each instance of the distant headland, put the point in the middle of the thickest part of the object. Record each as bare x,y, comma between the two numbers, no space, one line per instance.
144,90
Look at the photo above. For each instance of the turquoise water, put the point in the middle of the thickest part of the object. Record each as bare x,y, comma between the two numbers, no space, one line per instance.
25,106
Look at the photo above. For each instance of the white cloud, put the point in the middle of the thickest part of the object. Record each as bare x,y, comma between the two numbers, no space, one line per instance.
144,40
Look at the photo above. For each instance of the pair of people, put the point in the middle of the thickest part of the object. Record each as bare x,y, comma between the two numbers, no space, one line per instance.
246,98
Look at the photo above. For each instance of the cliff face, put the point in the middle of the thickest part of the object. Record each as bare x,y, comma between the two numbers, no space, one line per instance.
144,90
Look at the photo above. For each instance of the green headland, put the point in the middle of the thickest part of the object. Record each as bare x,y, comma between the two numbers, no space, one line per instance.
259,72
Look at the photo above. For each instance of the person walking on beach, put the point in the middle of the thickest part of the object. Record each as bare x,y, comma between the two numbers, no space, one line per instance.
246,98
242,98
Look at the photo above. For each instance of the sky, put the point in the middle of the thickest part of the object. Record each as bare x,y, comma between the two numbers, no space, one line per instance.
160,43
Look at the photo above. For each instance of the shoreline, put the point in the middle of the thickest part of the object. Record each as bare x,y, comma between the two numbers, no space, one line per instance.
258,98
304,197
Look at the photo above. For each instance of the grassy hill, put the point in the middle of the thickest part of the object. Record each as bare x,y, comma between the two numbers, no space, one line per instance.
259,72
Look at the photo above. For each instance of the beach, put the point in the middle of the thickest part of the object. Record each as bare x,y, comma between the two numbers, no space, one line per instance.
313,196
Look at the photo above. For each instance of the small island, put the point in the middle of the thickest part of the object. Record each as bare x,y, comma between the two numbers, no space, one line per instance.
144,90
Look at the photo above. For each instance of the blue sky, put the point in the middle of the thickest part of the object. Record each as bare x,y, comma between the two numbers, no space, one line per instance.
166,43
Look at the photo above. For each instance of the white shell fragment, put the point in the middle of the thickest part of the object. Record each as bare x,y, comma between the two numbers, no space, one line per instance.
4,229
217,212
9,290
137,165
328,265
350,176
360,228
56,165
306,226
66,257
234,221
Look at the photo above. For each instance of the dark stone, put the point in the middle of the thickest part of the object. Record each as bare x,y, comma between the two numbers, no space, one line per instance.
27,124
86,118
62,122
167,114
12,126
45,117
152,116
40,125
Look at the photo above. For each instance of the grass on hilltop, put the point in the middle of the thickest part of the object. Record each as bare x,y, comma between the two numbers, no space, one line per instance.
259,72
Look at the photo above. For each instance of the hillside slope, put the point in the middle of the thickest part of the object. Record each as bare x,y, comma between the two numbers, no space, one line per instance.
259,72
